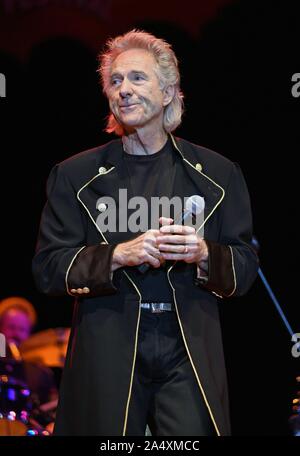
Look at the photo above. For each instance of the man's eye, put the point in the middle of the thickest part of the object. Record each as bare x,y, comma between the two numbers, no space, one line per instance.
138,78
115,82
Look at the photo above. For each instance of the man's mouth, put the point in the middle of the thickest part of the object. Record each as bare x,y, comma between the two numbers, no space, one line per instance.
128,106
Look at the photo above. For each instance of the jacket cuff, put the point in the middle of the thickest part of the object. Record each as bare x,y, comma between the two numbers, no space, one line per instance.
91,270
221,275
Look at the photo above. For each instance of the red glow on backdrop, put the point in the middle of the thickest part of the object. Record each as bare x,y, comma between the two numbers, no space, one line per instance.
25,23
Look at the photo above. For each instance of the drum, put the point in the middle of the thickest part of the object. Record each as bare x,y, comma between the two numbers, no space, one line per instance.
48,347
15,406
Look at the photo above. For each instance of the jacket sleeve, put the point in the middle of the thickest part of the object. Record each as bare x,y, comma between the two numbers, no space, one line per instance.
232,262
62,260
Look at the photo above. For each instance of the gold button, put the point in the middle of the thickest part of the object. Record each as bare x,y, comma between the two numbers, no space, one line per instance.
86,290
102,170
199,167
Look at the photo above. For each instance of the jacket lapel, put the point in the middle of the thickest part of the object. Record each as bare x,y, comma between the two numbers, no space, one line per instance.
198,183
99,194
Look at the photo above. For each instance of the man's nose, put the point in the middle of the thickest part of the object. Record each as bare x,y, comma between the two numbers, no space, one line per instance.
125,89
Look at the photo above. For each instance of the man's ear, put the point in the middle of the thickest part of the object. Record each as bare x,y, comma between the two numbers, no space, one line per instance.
168,94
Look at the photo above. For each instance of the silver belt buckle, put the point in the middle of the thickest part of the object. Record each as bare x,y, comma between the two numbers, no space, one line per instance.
156,307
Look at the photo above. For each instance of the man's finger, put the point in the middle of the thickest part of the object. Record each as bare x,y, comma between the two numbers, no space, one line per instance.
176,256
177,239
165,221
174,248
177,229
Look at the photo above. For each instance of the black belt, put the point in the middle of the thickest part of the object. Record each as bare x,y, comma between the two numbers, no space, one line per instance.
157,307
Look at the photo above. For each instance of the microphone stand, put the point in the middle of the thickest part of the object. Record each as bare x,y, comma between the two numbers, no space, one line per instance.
267,286
294,420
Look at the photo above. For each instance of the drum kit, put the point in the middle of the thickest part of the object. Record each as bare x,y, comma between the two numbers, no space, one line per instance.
21,411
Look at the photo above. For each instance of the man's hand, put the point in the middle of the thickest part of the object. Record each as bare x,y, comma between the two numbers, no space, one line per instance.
180,242
142,249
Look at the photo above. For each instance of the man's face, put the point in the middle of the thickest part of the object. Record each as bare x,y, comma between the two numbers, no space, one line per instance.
134,94
15,325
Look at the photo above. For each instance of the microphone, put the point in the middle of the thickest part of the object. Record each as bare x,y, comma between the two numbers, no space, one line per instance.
194,206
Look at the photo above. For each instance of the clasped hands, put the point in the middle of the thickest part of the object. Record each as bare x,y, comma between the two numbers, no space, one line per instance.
170,242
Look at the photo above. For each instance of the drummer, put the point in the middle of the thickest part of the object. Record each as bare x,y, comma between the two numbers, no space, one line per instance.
17,320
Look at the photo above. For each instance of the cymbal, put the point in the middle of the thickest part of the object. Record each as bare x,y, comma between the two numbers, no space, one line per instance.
48,347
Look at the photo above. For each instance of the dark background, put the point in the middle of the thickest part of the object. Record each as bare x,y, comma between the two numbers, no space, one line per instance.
237,60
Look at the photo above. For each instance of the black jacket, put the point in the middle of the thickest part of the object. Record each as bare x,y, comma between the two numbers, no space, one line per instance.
72,252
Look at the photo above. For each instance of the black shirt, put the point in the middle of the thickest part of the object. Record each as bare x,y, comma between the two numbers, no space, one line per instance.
152,176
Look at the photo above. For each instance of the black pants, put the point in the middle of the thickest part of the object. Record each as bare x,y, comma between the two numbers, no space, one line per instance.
165,393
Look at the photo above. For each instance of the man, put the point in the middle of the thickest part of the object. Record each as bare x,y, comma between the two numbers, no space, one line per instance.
17,320
145,345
